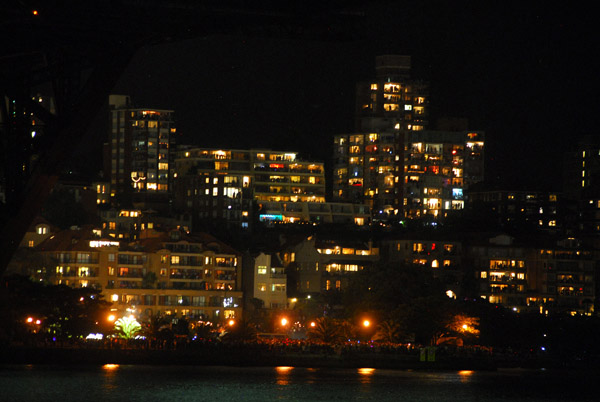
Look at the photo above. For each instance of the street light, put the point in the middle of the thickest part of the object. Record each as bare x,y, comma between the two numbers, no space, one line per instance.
284,322
366,323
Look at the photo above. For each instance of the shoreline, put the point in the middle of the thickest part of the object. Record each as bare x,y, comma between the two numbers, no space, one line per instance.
260,358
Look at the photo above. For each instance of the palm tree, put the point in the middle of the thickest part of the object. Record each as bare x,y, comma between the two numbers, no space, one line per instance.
326,330
127,327
388,331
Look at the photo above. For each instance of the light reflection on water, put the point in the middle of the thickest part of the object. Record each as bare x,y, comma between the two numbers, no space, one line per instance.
187,383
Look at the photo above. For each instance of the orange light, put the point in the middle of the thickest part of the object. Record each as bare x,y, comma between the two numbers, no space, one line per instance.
38,322
313,324
111,318
29,319
231,323
284,322
366,323
35,12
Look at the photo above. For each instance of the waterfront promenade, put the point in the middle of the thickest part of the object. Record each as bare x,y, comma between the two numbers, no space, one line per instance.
292,353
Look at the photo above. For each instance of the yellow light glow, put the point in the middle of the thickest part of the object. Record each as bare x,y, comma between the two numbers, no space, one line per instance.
313,324
29,319
284,322
111,318
366,371
110,366
231,323
366,323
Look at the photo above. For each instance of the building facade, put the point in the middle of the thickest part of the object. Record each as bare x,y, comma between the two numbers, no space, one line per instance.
239,186
319,265
161,273
141,150
408,174
393,100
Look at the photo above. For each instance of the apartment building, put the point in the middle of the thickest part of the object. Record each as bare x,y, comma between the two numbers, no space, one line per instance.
140,150
408,174
161,273
318,264
239,186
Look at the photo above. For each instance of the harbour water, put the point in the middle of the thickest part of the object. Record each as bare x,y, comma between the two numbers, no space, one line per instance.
189,383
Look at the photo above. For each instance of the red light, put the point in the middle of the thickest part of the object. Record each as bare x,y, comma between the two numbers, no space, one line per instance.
34,12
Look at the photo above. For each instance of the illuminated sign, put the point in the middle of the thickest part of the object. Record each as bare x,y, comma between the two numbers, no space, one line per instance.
270,217
103,243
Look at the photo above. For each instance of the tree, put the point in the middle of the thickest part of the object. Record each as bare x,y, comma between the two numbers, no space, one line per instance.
388,331
241,330
127,327
326,330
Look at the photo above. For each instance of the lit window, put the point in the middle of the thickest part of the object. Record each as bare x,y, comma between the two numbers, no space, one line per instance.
262,270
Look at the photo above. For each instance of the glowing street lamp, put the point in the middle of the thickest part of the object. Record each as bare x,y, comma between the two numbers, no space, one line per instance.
284,322
111,318
366,323
231,323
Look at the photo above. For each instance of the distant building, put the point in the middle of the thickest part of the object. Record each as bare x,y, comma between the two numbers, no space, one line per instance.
393,100
141,145
443,257
239,186
270,281
513,208
408,174
564,278
319,265
393,162
161,273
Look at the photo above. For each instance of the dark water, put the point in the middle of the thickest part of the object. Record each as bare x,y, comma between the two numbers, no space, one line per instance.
185,383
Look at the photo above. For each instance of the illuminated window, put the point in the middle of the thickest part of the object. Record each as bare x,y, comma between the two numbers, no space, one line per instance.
373,87
262,287
483,274
175,259
262,270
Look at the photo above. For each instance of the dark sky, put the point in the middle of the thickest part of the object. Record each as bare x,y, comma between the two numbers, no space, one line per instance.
523,73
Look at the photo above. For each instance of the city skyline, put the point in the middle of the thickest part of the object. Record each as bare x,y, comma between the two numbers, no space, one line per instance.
278,93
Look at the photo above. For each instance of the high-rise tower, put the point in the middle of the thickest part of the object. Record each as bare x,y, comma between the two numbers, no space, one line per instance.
141,151
393,163
392,101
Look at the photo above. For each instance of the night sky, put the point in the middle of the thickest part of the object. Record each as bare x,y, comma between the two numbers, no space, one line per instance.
524,74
